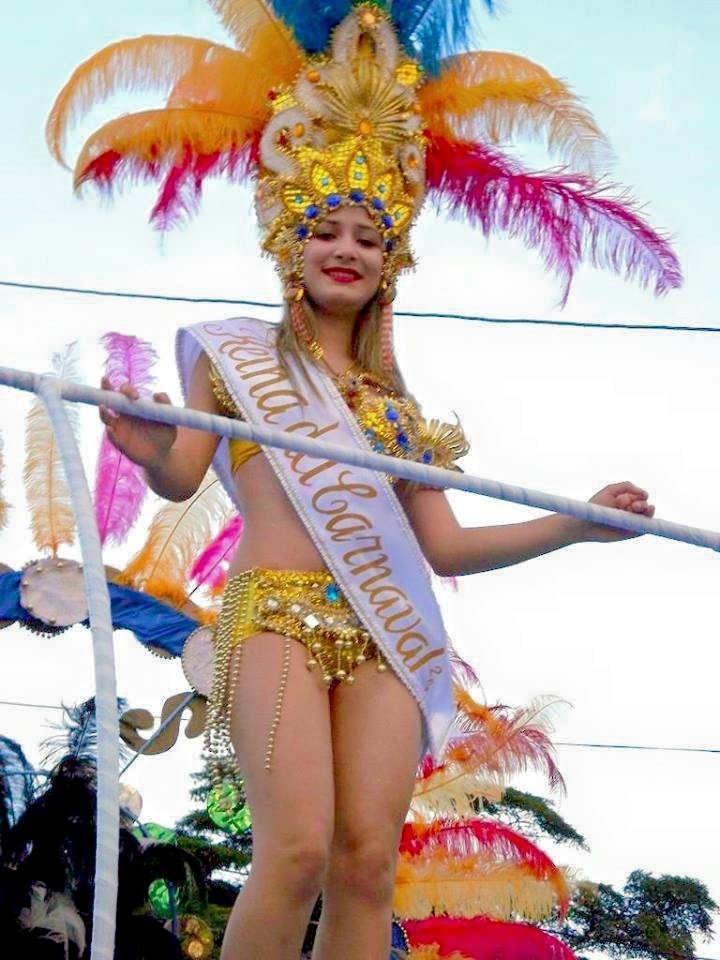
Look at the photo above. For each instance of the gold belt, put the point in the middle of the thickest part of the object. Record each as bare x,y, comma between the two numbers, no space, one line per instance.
299,605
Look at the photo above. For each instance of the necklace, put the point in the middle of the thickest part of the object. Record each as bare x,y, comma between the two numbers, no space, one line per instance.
338,377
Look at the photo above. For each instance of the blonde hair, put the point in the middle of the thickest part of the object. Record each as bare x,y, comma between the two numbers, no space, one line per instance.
365,346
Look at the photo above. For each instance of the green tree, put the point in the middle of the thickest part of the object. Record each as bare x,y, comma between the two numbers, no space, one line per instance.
225,857
534,817
653,918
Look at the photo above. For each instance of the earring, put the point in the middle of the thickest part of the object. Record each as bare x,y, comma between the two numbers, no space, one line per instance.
385,301
293,292
388,292
387,351
298,318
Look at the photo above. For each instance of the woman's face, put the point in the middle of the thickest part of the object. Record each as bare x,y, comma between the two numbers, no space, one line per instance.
343,261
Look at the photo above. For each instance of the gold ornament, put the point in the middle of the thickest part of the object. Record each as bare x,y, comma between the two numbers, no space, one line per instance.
347,133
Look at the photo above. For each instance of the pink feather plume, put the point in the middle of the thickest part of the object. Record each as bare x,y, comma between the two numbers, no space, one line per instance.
486,838
211,567
180,184
480,938
567,217
120,486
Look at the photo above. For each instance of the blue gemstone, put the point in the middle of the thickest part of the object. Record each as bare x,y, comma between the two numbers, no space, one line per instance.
357,196
369,432
389,246
379,447
402,439
332,592
312,211
360,158
387,221
303,232
427,456
391,413
378,204
333,200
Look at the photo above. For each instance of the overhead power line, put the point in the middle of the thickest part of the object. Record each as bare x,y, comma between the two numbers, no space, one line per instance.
176,298
557,743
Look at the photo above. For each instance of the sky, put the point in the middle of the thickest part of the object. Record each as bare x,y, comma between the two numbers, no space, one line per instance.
624,635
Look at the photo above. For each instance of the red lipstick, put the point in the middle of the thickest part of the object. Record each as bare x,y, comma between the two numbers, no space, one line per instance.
342,274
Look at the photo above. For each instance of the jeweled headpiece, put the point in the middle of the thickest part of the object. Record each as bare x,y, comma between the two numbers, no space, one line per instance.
373,103
348,131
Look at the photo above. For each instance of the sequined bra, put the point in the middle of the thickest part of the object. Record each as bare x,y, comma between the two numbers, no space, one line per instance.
391,422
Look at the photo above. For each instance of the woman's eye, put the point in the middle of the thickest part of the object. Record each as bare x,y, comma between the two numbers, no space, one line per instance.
368,242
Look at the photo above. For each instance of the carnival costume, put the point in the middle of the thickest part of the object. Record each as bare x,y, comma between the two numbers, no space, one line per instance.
376,105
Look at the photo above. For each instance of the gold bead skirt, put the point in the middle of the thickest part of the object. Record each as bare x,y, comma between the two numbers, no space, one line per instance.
300,606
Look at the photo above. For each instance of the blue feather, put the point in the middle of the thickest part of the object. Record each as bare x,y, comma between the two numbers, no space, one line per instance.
312,23
433,29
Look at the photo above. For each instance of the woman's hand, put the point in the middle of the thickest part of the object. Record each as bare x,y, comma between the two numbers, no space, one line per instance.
621,496
145,442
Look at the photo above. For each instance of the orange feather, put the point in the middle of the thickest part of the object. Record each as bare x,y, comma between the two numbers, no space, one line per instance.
499,97
244,18
146,139
139,63
465,887
48,498
489,746
178,532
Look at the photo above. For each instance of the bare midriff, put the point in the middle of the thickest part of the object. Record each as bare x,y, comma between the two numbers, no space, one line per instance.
273,537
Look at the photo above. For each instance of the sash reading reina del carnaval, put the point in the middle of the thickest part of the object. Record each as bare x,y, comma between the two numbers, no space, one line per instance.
351,513
378,105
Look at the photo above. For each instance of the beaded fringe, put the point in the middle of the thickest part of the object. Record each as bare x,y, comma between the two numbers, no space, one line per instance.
287,603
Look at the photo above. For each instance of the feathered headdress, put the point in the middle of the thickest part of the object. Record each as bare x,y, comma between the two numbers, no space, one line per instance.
374,104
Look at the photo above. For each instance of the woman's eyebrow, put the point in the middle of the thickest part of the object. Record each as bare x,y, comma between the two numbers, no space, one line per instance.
359,227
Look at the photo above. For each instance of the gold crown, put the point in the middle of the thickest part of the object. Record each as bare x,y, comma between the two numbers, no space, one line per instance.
348,132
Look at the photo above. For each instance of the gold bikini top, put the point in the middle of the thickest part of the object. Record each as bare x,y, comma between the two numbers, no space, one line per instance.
391,422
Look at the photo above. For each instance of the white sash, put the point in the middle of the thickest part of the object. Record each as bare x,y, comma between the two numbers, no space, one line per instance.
351,513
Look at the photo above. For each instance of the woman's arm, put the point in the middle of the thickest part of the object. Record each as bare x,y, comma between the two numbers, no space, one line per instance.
453,550
175,459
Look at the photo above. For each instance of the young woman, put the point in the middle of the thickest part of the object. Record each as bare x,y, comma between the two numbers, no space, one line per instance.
332,673
327,812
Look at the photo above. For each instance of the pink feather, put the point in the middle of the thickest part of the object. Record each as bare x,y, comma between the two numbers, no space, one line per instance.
480,938
120,486
568,218
210,568
180,183
484,838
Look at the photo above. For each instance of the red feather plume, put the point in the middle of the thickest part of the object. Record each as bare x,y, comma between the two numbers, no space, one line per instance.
567,217
487,840
480,938
181,184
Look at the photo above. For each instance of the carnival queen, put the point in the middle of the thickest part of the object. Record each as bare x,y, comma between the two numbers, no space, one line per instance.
332,673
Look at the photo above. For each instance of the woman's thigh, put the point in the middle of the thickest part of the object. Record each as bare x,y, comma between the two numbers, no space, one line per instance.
295,796
377,736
